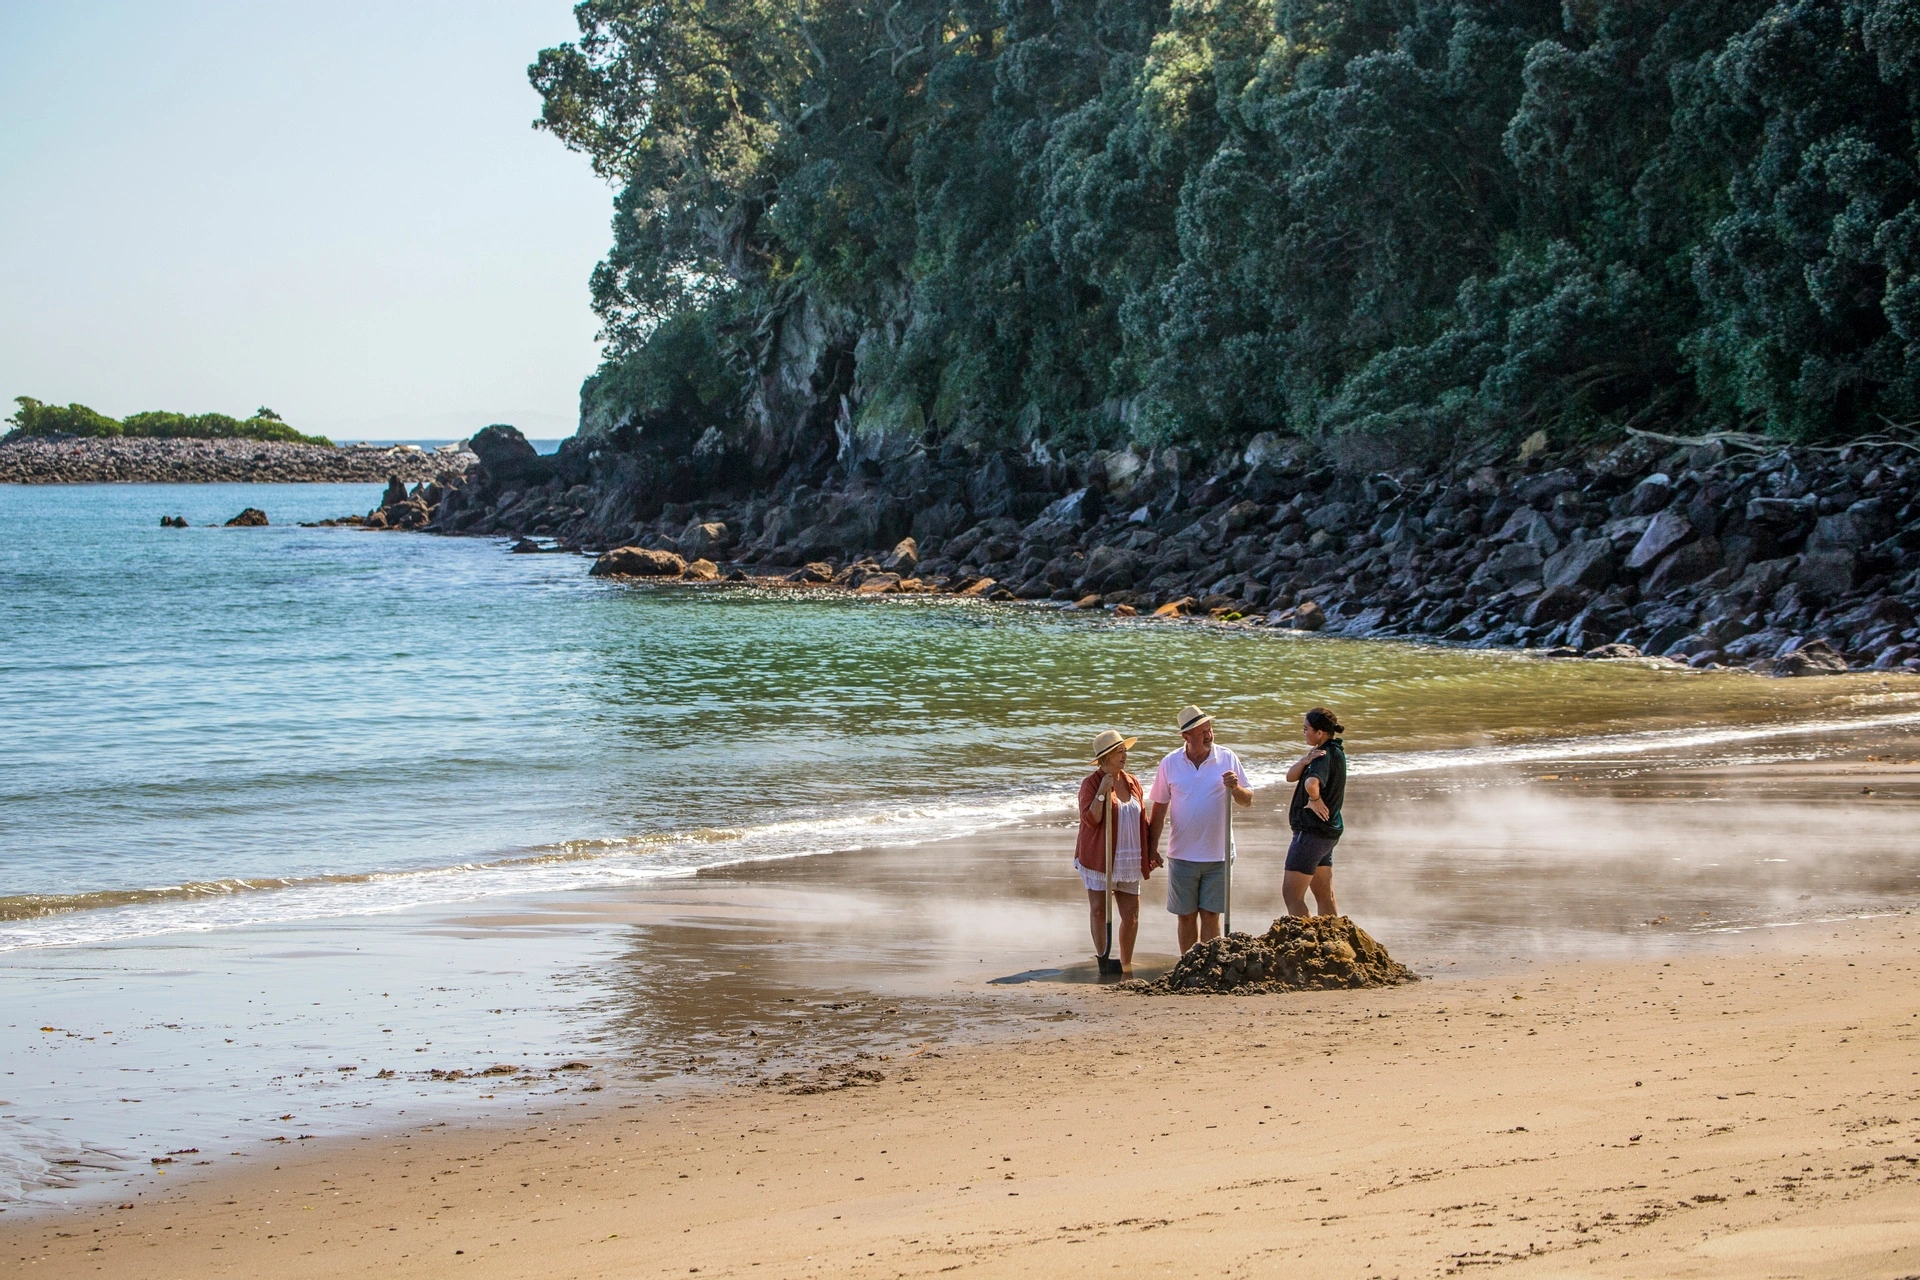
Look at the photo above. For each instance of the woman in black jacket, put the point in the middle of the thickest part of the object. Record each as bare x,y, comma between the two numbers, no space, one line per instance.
1320,784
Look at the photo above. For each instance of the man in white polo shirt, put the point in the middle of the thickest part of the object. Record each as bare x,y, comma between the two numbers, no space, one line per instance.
1189,795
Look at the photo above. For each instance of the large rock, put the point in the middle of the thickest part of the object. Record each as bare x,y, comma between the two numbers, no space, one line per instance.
1307,616
396,492
1687,565
251,518
1668,530
1651,494
1513,563
1781,516
638,562
507,456
1555,604
1814,658
1825,575
904,557
706,538
1587,565
1838,532
1530,526
1111,569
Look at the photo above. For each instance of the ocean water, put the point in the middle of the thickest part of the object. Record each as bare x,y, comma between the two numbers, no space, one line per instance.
209,727
291,817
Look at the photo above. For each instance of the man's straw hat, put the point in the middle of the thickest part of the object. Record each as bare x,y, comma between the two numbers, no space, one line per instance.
1108,740
1191,718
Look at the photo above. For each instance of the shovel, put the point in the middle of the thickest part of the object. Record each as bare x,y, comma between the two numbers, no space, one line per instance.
1226,921
1109,964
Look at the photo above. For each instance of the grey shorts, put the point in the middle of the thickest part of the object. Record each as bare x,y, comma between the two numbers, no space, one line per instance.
1196,886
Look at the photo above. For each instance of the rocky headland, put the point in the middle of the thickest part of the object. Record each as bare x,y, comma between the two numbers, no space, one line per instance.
1726,551
129,459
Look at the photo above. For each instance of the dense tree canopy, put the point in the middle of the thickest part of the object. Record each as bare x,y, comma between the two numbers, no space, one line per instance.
32,418
1089,220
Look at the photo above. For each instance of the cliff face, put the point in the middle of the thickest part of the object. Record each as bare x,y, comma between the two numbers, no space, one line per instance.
1725,551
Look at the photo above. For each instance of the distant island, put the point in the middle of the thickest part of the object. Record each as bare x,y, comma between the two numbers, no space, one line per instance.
32,418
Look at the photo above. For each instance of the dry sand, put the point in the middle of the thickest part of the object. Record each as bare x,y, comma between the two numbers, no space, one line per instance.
1750,1112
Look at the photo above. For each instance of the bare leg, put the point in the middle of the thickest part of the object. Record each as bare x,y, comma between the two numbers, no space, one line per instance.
1294,890
1322,891
1189,931
1209,925
1127,907
1097,918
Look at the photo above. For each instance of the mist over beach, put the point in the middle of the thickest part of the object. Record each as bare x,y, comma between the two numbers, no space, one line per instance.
563,568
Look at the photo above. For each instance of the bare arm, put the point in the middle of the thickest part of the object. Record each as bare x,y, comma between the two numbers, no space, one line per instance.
1299,766
1314,802
1242,796
1154,825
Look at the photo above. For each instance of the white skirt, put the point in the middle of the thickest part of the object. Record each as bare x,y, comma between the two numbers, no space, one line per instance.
1096,881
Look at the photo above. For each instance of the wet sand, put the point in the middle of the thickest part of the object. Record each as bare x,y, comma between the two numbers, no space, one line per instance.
1750,1112
1688,1054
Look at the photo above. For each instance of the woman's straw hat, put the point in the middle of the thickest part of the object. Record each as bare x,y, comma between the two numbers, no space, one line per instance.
1108,740
1191,718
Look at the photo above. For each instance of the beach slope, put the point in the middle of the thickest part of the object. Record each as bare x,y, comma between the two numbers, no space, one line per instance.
1751,1111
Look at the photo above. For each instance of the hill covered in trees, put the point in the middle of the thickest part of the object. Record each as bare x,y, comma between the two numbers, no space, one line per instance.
32,418
848,227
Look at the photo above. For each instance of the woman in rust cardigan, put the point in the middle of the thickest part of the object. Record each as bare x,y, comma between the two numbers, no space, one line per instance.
1131,862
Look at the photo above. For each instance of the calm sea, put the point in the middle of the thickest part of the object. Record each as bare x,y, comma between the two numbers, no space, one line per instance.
217,726
258,787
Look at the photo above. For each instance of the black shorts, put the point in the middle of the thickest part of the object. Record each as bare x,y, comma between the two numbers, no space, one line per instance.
1308,853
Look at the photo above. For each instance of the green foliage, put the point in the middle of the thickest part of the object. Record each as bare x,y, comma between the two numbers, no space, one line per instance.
1430,220
33,418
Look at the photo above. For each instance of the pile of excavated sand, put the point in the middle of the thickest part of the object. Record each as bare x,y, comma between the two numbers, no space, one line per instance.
1299,953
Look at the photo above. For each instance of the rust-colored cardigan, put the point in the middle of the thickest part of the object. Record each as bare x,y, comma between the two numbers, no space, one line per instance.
1091,849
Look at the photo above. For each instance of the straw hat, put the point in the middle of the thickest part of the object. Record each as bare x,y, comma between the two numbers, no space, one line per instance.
1191,718
1108,740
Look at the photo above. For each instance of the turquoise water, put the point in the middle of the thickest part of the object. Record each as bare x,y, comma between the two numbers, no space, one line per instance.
287,815
210,727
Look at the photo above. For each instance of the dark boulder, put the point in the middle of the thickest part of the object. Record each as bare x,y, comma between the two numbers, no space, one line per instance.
1111,569
1825,575
1555,604
1587,565
1683,567
396,492
1813,658
1651,495
251,518
1613,651
1668,530
638,562
508,458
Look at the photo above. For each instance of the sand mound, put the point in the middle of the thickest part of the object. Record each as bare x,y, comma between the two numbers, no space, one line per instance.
1296,954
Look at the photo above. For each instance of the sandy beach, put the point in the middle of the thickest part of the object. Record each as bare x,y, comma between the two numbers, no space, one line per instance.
1741,1101
1755,1111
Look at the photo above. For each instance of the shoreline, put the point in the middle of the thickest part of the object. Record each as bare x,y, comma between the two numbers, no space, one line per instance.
1724,551
807,972
1647,1117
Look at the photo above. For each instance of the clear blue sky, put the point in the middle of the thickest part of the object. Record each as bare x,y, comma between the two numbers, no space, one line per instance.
336,209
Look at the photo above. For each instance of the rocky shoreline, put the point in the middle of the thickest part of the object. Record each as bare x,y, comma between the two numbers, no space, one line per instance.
133,459
1724,551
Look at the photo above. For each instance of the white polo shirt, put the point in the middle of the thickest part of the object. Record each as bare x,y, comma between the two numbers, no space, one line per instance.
1196,800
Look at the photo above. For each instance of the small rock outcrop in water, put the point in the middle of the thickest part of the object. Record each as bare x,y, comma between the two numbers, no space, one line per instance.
1299,953
251,518
638,562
